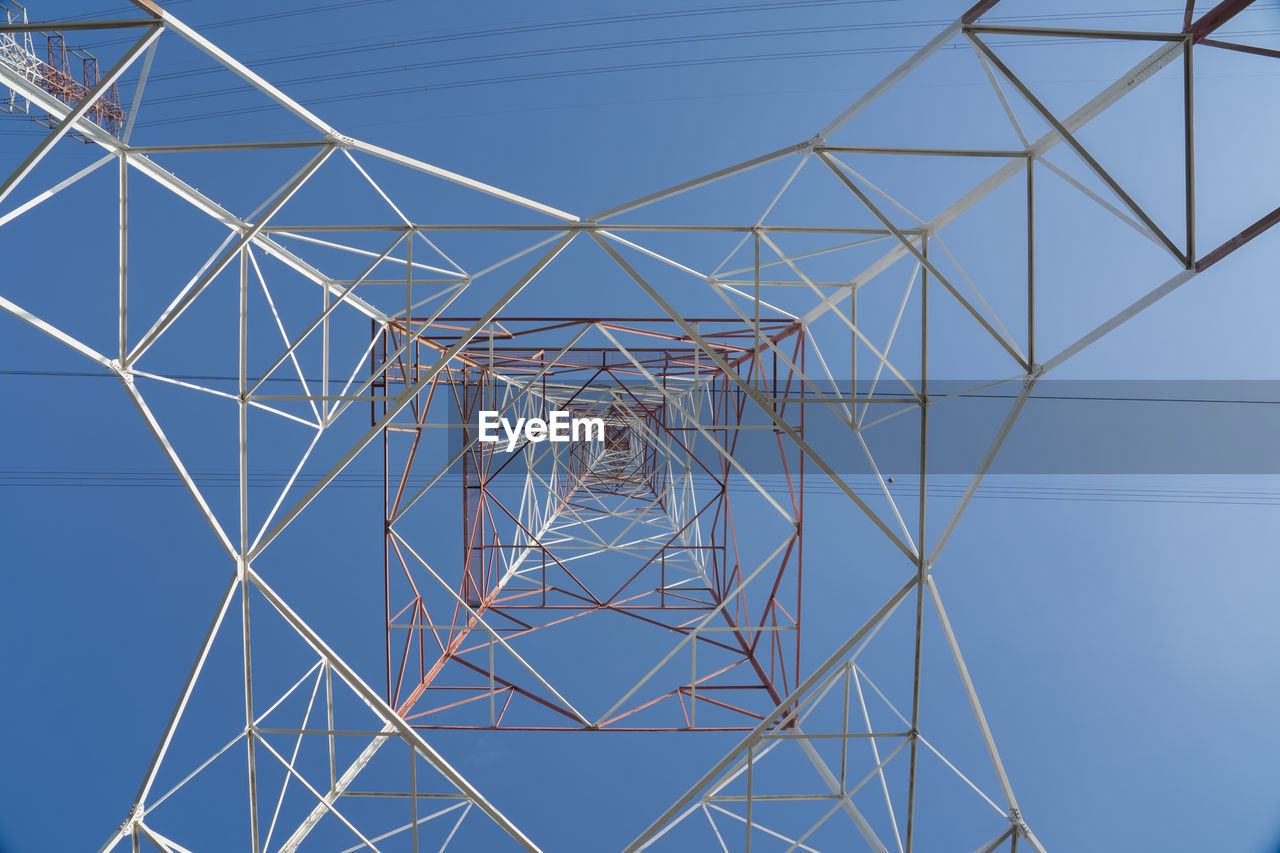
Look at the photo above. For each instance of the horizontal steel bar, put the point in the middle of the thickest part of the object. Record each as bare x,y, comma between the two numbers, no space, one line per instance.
822,398
420,795
939,152
225,146
591,226
604,728
382,734
774,798
304,397
1128,35
829,736
67,26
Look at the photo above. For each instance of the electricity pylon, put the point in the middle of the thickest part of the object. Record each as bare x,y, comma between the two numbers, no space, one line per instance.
686,521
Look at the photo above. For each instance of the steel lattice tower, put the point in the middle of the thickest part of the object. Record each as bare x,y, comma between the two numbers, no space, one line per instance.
665,526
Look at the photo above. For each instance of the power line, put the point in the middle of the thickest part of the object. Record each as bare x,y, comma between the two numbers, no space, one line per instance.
537,53
255,19
514,78
984,395
184,377
573,23
110,12
535,26
575,49
580,72
552,75
561,74
136,478
573,72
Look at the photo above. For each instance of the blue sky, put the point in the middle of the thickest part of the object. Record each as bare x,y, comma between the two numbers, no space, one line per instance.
1121,647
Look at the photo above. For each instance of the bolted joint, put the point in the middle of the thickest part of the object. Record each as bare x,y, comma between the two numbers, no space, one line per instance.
339,140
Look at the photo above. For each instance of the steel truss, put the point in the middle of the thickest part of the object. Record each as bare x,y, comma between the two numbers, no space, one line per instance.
676,392
537,565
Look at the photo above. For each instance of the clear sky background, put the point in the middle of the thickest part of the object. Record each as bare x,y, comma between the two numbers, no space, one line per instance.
1123,642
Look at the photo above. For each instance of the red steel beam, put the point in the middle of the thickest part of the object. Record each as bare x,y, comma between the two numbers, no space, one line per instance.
978,10
1238,240
1216,17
